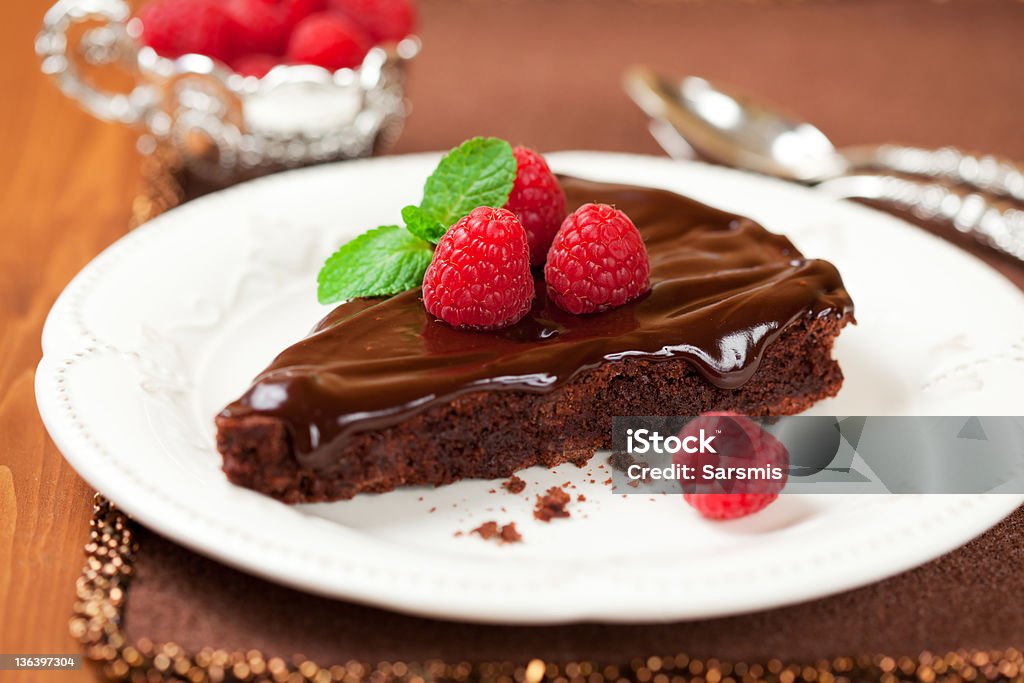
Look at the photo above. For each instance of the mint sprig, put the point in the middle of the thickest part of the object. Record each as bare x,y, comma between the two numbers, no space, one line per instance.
479,172
391,259
379,262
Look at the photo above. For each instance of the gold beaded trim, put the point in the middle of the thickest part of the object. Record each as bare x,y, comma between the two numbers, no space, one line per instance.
103,585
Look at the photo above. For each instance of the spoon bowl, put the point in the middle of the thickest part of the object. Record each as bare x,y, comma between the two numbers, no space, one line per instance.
694,115
736,130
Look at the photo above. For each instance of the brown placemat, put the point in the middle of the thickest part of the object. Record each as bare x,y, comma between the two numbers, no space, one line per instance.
150,610
546,73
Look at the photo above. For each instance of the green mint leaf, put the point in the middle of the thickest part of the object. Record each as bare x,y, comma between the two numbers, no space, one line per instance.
390,259
422,225
479,172
383,261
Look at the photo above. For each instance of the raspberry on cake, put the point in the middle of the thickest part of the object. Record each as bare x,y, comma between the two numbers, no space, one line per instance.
380,395
479,277
537,200
597,261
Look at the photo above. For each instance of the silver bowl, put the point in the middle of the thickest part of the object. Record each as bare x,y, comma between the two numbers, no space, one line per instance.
221,124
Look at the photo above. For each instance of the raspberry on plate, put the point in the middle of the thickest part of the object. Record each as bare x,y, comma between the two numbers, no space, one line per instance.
722,506
177,27
328,40
480,275
740,445
383,20
262,26
538,201
597,261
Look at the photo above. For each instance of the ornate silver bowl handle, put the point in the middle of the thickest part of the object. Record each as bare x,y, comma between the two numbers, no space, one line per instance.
987,173
106,43
970,213
223,124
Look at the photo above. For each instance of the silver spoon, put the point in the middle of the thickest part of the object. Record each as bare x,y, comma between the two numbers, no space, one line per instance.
695,115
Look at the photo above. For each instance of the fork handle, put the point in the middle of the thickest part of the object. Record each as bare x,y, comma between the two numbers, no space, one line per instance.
986,173
970,213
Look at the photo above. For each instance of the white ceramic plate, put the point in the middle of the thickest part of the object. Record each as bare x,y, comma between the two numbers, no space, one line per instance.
171,323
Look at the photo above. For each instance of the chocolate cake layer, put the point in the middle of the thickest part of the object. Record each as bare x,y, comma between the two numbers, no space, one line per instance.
381,394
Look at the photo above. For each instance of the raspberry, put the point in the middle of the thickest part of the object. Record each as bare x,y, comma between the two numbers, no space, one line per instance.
328,40
597,261
739,443
177,27
262,26
538,201
480,275
723,506
297,10
383,20
257,65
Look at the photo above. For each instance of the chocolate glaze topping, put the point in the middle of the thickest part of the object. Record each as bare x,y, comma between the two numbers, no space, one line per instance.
723,289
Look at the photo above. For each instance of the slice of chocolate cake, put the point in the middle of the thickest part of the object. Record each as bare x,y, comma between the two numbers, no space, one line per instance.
382,395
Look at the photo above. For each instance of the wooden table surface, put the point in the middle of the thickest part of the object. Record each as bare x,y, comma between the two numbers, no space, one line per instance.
67,182
56,217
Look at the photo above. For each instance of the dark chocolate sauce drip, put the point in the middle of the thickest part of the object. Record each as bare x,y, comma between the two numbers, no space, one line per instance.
723,289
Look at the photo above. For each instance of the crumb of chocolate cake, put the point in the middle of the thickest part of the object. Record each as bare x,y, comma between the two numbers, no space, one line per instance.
506,533
509,533
621,461
608,481
514,484
581,498
552,504
487,530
